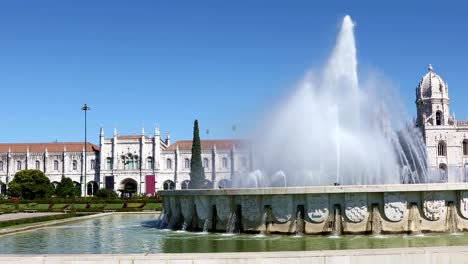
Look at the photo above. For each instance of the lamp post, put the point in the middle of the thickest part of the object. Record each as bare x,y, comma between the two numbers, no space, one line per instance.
85,108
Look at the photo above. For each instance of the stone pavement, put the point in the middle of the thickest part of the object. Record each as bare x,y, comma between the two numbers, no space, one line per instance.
429,255
14,216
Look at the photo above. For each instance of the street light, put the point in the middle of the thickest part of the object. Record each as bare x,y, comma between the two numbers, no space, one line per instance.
85,108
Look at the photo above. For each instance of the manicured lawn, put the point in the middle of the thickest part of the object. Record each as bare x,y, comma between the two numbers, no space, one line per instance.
50,206
100,206
7,207
59,206
135,205
80,206
113,206
153,206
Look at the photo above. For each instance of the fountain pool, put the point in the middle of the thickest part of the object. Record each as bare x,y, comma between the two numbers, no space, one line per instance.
135,233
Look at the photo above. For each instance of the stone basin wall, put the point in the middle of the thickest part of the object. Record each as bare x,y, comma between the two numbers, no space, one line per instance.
411,208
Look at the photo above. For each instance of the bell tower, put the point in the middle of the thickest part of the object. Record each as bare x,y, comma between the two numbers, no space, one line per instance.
432,101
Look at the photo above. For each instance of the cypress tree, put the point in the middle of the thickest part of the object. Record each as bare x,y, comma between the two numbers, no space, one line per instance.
197,172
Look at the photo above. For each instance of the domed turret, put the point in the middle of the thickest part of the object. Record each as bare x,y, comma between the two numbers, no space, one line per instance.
432,101
432,86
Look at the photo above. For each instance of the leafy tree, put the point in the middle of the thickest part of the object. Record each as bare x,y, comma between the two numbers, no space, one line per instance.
106,193
66,188
14,189
30,184
197,172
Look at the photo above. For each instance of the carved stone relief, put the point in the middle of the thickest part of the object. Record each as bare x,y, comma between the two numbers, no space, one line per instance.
434,205
282,207
395,206
464,203
317,207
356,206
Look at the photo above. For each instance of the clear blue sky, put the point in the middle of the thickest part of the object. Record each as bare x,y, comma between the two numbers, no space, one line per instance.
224,62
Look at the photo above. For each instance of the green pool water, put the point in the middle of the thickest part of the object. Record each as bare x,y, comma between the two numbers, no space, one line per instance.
133,233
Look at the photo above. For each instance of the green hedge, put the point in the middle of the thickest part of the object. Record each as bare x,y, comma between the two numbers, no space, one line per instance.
96,205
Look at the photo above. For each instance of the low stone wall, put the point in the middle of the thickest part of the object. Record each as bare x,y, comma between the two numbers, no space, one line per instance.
434,255
402,208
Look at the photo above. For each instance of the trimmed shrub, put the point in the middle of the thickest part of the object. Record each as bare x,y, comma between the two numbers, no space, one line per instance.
106,193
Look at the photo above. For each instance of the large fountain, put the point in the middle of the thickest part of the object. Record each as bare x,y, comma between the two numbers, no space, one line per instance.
337,157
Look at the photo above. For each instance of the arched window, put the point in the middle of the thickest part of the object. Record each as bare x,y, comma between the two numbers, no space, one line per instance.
185,185
1,165
92,188
168,185
168,164
187,163
223,184
18,165
205,163
109,163
208,184
136,162
74,165
56,165
465,147
225,163
441,149
150,163
439,118
93,164
130,163
38,165
443,172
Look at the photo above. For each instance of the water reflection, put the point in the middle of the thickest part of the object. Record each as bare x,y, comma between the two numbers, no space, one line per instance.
138,234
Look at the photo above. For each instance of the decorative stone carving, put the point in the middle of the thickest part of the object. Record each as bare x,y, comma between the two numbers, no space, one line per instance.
356,206
464,203
434,205
250,207
203,206
317,207
282,207
186,207
394,206
223,207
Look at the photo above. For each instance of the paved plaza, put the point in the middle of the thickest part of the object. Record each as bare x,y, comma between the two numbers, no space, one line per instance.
15,216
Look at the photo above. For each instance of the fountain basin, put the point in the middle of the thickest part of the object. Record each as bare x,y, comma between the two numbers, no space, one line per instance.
372,209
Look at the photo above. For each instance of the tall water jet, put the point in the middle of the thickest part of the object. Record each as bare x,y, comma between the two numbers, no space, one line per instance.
329,129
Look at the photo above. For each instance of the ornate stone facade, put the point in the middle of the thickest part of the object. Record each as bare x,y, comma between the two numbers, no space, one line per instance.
446,137
127,163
